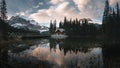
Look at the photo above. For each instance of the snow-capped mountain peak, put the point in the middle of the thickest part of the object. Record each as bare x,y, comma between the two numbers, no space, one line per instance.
21,23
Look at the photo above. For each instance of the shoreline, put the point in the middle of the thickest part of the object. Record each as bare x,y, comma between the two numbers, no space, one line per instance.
9,41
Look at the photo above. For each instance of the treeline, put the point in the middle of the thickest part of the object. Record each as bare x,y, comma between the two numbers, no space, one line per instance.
111,21
77,27
110,27
67,45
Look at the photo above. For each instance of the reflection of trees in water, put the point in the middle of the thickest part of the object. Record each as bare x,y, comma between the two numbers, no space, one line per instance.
72,45
53,44
4,57
111,55
62,48
85,56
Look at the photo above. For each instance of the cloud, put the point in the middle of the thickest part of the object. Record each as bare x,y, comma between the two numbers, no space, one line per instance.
113,2
56,1
45,10
21,13
54,12
81,4
86,10
40,16
91,8
39,4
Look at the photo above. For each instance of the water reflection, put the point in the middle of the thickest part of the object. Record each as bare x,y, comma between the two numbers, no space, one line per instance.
46,53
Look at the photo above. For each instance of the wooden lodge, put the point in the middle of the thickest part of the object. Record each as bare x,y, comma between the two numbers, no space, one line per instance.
60,31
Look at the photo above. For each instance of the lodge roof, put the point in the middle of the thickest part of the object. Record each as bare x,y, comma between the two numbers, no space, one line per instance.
60,29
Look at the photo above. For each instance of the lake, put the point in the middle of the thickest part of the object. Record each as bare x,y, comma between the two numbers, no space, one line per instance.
50,53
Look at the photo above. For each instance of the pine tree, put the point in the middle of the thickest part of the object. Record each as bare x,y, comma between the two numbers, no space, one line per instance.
60,25
106,11
51,27
105,16
3,9
118,10
54,25
65,20
3,12
65,23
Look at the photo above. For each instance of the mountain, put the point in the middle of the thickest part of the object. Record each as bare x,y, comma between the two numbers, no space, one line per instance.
21,23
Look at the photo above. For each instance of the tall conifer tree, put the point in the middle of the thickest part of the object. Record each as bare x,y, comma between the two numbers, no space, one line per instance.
118,10
3,10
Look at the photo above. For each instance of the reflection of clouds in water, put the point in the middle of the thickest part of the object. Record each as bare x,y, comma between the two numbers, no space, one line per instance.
57,58
44,54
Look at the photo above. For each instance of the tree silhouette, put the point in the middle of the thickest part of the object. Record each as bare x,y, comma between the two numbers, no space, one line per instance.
111,21
78,27
118,10
3,17
52,27
60,25
3,10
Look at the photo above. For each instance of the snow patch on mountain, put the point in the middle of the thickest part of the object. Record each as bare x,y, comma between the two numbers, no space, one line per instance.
21,23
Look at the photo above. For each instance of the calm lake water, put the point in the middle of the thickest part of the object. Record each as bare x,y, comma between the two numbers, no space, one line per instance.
49,53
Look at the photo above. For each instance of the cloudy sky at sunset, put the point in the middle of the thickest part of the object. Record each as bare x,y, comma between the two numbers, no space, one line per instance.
43,11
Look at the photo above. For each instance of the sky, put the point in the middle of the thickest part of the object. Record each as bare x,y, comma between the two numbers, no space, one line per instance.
43,11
